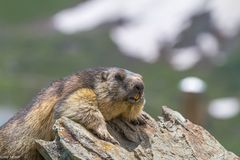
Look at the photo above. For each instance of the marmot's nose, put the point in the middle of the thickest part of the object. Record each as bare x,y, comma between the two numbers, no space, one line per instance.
138,87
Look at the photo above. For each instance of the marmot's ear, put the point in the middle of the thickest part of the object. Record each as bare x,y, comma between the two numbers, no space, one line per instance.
105,75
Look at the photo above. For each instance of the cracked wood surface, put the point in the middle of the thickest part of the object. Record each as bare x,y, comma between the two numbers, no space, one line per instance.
172,137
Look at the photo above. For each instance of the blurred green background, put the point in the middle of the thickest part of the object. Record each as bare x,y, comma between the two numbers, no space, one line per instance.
31,55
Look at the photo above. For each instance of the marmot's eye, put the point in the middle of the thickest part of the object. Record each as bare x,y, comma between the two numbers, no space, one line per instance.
119,77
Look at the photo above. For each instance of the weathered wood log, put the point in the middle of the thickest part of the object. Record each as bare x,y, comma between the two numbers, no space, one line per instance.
171,137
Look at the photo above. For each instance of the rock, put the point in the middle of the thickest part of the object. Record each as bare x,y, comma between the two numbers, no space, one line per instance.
171,137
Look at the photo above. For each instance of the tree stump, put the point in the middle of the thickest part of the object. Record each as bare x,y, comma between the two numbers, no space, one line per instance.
172,137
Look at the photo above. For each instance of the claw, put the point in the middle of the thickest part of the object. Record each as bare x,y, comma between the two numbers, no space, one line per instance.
105,135
141,120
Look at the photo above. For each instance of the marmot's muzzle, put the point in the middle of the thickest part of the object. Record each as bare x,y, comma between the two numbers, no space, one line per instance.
136,95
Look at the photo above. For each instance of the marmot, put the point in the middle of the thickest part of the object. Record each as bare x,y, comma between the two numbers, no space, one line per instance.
90,97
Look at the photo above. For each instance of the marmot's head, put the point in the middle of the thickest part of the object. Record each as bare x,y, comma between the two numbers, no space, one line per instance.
121,85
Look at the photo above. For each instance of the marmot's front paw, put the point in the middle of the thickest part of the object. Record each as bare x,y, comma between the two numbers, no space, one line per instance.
103,134
141,120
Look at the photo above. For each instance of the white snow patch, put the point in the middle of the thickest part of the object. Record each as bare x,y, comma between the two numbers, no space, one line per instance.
224,108
192,85
185,58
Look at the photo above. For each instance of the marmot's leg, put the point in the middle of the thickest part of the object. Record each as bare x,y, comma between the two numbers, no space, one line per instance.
93,120
135,115
140,120
82,107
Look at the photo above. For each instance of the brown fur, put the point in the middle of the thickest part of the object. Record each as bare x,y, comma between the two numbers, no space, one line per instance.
90,97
